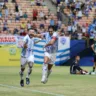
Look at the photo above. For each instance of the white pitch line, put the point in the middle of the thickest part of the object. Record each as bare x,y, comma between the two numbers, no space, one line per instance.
36,91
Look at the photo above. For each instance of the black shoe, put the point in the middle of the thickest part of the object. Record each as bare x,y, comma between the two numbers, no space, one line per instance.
27,81
22,83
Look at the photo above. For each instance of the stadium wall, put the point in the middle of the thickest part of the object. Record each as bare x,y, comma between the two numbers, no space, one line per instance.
10,50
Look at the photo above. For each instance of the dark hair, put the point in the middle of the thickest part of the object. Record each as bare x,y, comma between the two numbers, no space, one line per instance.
50,27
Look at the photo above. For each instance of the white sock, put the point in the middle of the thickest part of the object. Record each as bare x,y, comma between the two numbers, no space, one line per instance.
49,72
30,66
29,72
45,70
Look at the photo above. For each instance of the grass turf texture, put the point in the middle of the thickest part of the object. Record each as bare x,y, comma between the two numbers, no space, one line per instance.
60,82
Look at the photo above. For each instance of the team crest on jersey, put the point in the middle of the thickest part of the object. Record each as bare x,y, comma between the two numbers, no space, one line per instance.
63,40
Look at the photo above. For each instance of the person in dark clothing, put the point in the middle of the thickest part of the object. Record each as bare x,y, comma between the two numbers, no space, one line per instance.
13,1
75,68
16,7
93,46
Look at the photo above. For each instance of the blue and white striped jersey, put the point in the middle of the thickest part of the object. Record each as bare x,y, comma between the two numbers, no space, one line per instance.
52,48
26,52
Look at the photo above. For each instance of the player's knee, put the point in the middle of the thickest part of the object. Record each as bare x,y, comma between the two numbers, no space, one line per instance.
51,64
45,61
22,67
30,65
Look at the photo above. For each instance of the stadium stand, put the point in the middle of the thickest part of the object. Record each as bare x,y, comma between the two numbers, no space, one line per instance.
18,16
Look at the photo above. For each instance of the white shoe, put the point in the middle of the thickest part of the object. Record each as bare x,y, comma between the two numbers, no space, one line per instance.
44,79
93,73
49,72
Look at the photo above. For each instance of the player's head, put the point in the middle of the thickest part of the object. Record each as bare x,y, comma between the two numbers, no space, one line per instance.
51,31
31,33
77,58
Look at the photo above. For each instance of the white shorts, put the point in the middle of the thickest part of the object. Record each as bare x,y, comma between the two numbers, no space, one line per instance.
51,56
24,61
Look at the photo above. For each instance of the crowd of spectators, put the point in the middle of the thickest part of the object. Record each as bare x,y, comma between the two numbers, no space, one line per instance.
78,11
21,20
40,19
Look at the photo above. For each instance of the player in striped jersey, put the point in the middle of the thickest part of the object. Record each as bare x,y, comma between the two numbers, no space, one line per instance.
50,53
27,56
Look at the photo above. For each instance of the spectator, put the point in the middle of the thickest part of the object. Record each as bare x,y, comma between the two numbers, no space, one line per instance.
23,25
41,15
84,30
0,15
52,22
15,31
6,12
24,33
35,14
79,14
74,35
59,16
25,15
11,18
29,26
4,6
16,8
38,2
80,35
78,6
17,17
5,27
13,1
69,28
21,13
5,1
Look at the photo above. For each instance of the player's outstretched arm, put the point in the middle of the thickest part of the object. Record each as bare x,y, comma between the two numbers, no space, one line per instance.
50,43
39,36
37,41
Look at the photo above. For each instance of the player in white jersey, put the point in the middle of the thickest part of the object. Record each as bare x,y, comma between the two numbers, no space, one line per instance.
27,56
50,48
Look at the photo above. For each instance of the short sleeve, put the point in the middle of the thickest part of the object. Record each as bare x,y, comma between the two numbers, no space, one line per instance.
25,39
55,36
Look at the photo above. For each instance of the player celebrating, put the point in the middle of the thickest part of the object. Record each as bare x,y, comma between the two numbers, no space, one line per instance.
50,53
27,56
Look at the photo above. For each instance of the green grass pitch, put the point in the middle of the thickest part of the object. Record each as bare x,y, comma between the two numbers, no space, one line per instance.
60,83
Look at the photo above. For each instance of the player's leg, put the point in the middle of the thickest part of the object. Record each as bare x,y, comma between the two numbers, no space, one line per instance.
50,65
94,67
45,67
23,63
49,69
30,66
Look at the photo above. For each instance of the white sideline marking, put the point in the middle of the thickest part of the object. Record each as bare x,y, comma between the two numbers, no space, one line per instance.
36,91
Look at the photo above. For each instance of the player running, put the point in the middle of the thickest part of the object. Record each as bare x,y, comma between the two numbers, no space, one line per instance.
50,53
27,56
